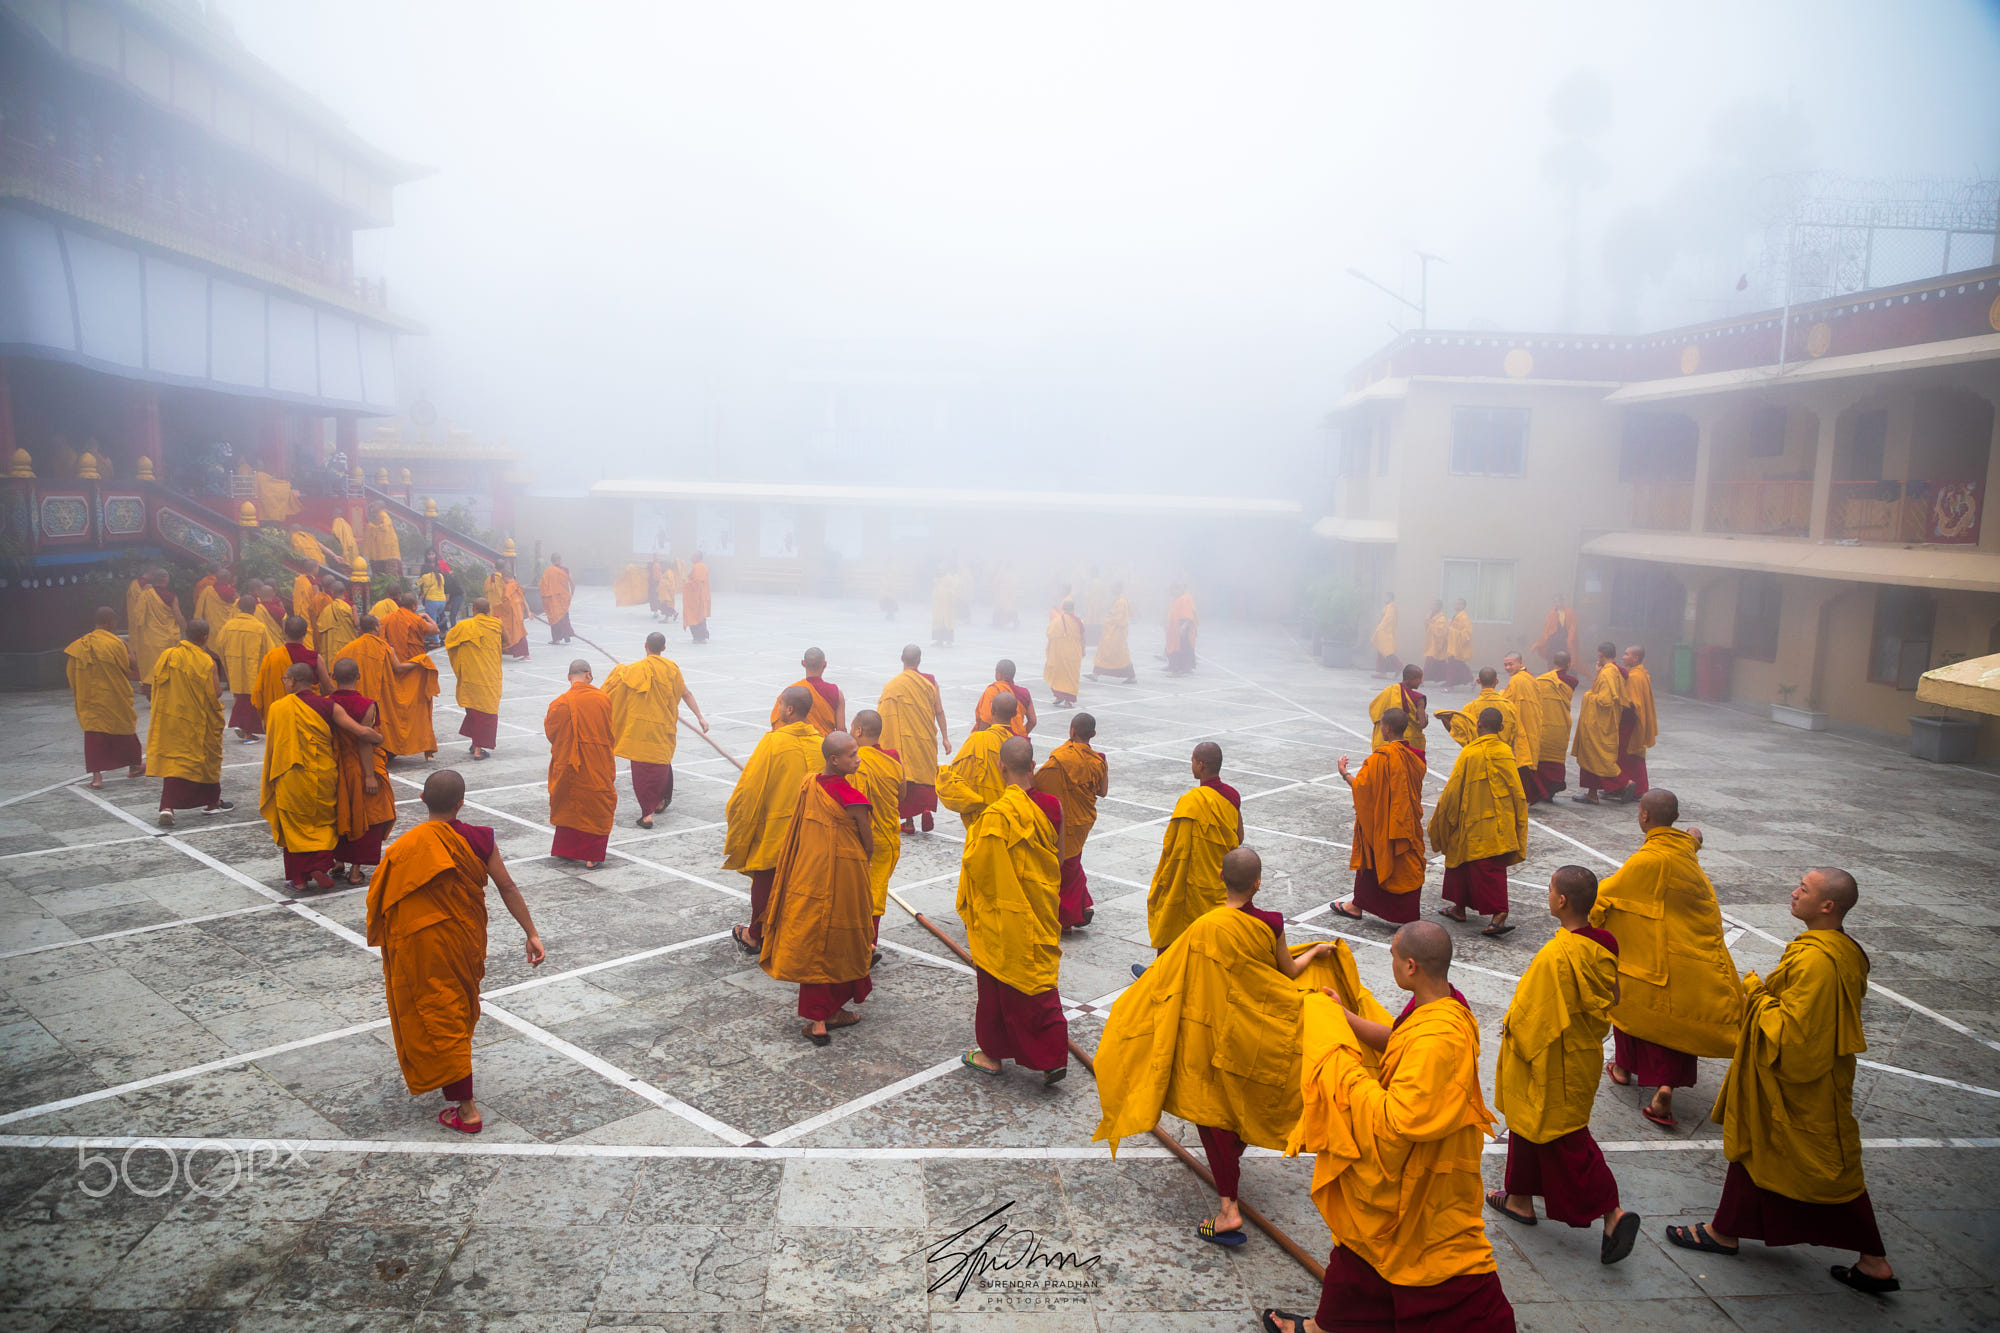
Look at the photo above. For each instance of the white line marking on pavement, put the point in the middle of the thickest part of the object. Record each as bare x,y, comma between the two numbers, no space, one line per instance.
861,1103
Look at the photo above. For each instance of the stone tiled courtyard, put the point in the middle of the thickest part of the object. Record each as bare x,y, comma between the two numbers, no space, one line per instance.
202,1125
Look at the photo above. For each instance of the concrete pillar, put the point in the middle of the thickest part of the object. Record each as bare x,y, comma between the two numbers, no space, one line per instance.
1989,525
145,437
1706,421
1822,492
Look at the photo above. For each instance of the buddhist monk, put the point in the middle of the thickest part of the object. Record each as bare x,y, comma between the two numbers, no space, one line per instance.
1007,898
1638,724
1181,626
155,622
1388,857
1558,633
1437,642
270,611
333,622
944,607
633,587
1406,699
1114,646
879,776
308,601
1062,666
1679,995
271,686
1463,723
101,674
402,691
380,543
1458,647
583,776
759,810
1597,723
1025,718
300,794
558,589
365,809
512,611
408,630
1787,1103
213,598
243,643
653,584
1526,698
694,600
1077,776
1383,640
1554,688
1480,826
427,914
829,708
1006,610
646,698
670,588
1396,1174
914,726
1206,823
473,645
1551,1044
816,925
973,780
1180,1040
344,534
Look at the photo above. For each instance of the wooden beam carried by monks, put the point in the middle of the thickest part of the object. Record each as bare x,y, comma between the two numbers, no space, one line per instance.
617,661
1262,1223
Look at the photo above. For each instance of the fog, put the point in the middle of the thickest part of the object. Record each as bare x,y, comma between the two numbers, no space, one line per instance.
1064,247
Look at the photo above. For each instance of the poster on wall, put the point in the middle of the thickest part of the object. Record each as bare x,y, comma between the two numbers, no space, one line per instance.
715,530
844,534
777,532
652,527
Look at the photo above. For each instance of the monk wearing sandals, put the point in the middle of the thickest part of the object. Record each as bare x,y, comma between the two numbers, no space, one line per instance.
819,924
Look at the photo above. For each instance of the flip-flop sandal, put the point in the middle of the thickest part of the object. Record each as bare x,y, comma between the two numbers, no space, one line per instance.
816,1038
1051,1077
1663,1121
970,1063
1696,1237
1269,1319
1230,1239
741,934
1450,916
450,1120
1619,1243
644,821
1497,1201
846,1018
1612,1065
1088,913
1860,1281
1338,910
1495,932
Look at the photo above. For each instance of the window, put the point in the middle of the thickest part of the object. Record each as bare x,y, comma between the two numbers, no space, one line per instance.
1486,585
1900,652
1356,442
1867,442
1657,446
1489,442
1756,618
1382,450
1767,434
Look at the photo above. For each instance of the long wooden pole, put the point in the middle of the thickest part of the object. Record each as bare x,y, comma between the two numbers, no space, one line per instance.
698,731
1262,1223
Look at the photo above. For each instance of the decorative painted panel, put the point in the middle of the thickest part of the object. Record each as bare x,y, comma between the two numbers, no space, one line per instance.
193,536
65,517
124,516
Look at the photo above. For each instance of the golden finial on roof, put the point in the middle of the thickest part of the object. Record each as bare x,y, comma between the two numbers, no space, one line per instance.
22,464
430,507
246,515
381,476
243,468
406,476
358,474
145,467
358,571
86,467
507,548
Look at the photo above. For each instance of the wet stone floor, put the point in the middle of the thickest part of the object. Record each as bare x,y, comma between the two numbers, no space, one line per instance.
202,1125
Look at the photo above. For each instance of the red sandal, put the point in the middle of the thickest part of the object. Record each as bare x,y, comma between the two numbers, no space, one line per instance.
449,1118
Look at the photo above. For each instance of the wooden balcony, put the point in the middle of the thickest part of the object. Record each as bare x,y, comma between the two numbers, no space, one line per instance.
1760,508
1663,506
1943,513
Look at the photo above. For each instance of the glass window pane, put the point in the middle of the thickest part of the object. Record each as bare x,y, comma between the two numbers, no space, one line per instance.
1461,579
1496,591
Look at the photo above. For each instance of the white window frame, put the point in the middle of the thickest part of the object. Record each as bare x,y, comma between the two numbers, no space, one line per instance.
1475,603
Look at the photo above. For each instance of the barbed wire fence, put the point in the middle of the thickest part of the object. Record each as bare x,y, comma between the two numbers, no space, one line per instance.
1831,235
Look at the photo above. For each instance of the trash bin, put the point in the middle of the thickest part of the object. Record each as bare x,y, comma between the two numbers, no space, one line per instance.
1683,668
1711,673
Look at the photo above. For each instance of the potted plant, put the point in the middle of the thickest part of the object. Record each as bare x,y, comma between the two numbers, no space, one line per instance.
1335,605
1808,718
1944,739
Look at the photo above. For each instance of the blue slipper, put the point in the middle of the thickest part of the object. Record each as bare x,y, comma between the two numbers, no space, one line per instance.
1231,1239
970,1063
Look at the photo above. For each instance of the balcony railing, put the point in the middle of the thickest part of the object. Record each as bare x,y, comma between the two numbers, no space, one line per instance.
1663,506
1760,508
1926,512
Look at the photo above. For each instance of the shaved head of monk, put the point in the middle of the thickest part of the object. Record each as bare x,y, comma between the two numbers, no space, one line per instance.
1659,808
579,669
912,655
1003,669
346,671
106,617
1413,675
1082,727
1420,953
197,630
1572,893
368,624
1824,897
295,628
866,726
814,661
1491,720
1606,651
1242,871
655,644
841,752
1017,760
1207,760
246,603
408,601
794,702
1634,656
481,607
1488,677
1003,707
1511,663
1561,659
299,676
444,792
1394,722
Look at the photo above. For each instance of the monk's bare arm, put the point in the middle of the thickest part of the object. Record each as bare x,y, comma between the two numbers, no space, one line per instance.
687,697
325,677
1104,781
517,906
840,709
353,728
864,825
1032,718
1293,965
944,727
1341,765
1375,1034
399,666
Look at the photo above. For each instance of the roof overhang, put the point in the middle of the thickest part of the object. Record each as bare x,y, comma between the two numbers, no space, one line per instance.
1904,566
1890,360
1972,685
900,497
1360,531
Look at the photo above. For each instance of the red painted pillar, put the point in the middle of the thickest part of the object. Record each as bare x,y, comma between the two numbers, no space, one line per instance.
272,455
145,438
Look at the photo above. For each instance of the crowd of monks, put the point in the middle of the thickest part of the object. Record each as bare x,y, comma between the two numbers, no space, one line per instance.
1255,1040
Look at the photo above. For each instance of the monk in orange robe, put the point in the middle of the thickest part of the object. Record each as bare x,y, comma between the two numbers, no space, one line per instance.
512,608
583,775
1437,641
153,619
1638,724
101,672
1207,821
300,793
914,725
1388,856
1181,625
694,600
829,705
408,630
427,914
1003,683
880,778
972,780
818,928
402,690
558,589
1383,640
365,809
1405,697
759,810
270,686
1558,633
1076,776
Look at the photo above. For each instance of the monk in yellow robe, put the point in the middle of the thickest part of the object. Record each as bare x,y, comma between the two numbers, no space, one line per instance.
1387,857
817,927
1679,997
1206,824
695,600
914,726
155,622
558,588
1463,723
1113,656
380,543
401,690
1787,1103
101,673
1396,1169
1006,609
427,914
1062,666
1554,689
333,623
271,611
1211,1034
1638,724
1007,895
1437,642
630,587
1181,626
1025,718
383,608
365,809
878,775
1383,640
1458,647
184,732
1077,776
1545,1083
583,775
270,686
1406,698
276,500
343,532
944,608
973,780
212,599
512,610
243,643
1480,825
473,645
307,546
759,809
829,705
300,793
1526,699
1597,721
646,698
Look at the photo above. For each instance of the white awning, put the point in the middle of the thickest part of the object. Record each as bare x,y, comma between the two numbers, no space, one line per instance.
902,497
1890,360
1956,568
1360,531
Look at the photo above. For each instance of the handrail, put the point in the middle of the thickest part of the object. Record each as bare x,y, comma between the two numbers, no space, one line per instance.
287,557
432,528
